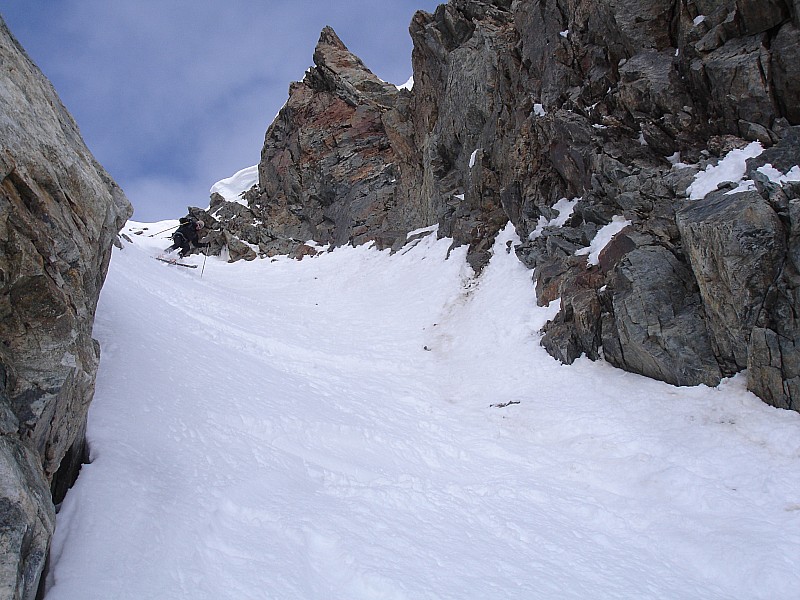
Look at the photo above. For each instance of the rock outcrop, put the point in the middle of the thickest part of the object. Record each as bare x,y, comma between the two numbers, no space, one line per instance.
521,106
773,343
330,164
59,215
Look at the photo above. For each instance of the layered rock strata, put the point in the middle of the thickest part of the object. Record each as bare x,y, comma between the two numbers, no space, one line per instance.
330,164
59,215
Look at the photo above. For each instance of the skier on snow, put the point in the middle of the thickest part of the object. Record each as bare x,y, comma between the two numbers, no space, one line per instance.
186,236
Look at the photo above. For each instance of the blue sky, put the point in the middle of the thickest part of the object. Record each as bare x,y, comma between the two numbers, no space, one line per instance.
173,95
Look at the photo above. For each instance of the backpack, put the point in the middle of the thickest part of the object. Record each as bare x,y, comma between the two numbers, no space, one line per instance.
187,228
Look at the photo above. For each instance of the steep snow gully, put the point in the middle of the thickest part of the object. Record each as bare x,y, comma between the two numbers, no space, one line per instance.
366,425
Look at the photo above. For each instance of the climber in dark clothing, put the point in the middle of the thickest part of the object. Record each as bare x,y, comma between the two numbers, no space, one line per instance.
187,236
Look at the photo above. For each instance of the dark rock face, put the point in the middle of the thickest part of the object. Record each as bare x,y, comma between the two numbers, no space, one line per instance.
329,168
654,325
773,353
463,59
59,215
518,105
735,245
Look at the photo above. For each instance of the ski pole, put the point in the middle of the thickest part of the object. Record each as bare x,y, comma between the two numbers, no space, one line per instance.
205,256
167,229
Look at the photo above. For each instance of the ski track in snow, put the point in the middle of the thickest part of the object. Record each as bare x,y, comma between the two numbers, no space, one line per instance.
322,429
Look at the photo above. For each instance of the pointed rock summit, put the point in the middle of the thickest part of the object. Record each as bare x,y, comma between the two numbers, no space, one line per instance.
343,72
328,169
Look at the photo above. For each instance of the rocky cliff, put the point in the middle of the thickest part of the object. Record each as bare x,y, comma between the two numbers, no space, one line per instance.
565,116
59,215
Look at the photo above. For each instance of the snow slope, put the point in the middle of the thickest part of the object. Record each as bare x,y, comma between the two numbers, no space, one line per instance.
231,188
334,428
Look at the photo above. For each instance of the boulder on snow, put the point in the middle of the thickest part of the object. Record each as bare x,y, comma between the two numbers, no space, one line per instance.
238,250
655,324
735,244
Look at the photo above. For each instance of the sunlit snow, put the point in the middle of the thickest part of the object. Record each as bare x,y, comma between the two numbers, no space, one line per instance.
776,176
564,208
368,425
473,156
232,187
602,238
731,168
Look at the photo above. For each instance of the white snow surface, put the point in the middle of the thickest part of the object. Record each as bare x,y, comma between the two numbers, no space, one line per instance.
602,238
473,156
232,187
776,176
329,428
731,168
421,230
564,207
408,85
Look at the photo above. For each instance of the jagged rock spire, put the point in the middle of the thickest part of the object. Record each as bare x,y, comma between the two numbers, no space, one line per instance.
329,166
343,72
